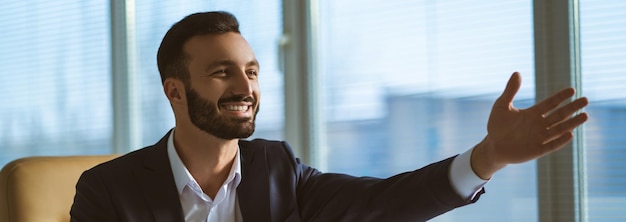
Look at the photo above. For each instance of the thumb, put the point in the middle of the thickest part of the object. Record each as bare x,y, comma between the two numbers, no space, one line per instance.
511,88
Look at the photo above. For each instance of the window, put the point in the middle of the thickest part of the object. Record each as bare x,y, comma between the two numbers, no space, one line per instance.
603,46
405,83
410,83
56,82
59,73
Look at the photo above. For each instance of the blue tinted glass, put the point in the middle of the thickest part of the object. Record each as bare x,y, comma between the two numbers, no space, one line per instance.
55,78
409,83
603,47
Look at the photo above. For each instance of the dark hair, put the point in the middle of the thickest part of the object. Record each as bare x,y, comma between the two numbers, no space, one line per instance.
171,58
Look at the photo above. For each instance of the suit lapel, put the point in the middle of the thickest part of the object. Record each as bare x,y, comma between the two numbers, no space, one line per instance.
157,184
253,191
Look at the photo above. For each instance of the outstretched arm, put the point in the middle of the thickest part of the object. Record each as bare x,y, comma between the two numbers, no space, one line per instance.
519,135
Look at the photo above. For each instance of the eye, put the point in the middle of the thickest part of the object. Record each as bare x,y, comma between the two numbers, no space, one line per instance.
252,73
221,72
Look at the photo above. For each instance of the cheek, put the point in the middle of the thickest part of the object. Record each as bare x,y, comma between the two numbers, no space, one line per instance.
212,93
257,95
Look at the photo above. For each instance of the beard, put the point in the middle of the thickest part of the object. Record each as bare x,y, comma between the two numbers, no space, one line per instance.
204,115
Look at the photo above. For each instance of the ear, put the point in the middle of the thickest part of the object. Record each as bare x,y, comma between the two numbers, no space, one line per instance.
174,90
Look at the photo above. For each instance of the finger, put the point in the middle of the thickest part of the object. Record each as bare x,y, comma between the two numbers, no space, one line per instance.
557,143
511,88
567,126
566,111
553,101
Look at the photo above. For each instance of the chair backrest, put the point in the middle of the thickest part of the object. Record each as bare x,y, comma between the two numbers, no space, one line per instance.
42,188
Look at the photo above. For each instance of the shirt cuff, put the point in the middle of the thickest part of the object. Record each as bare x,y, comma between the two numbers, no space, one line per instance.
463,179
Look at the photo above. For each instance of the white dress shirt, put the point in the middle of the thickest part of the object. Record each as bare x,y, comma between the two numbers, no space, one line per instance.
197,206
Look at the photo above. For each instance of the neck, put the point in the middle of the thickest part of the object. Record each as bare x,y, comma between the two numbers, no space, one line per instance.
208,158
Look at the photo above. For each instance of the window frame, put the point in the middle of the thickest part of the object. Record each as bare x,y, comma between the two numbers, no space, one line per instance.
557,65
126,106
561,175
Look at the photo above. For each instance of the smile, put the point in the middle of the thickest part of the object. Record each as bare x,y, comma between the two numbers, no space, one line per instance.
236,108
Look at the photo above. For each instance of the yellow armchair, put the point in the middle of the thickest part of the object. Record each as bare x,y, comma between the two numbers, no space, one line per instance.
40,189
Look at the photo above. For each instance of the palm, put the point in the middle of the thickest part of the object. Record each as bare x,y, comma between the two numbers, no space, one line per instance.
519,135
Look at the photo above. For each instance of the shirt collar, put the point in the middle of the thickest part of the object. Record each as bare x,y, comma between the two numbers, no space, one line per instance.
182,177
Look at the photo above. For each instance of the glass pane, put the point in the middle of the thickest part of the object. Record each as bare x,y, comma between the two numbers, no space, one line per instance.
408,83
55,81
260,23
603,47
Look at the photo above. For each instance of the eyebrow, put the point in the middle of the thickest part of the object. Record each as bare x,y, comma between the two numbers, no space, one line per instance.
231,63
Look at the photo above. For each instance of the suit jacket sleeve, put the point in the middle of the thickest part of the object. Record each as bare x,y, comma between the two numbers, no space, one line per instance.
411,196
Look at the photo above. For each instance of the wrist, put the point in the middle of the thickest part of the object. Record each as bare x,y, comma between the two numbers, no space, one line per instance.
484,160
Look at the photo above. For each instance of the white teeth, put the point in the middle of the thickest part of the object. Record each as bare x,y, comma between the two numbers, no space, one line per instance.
236,108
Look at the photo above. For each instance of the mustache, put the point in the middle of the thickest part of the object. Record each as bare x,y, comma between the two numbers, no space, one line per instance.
249,99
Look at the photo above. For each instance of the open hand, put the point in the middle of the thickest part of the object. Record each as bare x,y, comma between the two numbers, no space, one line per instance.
519,135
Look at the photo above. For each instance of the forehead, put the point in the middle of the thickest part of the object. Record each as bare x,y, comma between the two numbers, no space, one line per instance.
219,47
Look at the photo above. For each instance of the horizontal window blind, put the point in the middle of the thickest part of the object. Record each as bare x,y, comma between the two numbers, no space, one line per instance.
603,47
55,78
408,83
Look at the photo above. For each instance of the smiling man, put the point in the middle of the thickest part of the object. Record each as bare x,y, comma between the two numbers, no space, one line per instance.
204,170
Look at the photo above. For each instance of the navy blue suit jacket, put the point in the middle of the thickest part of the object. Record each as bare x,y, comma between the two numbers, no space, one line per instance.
275,186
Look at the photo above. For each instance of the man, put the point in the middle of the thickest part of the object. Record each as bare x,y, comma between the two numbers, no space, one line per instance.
202,171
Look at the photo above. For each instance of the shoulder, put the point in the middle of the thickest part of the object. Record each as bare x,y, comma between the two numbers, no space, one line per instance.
261,143
278,157
272,152
266,145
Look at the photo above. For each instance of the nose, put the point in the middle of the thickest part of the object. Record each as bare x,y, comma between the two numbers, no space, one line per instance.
242,84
